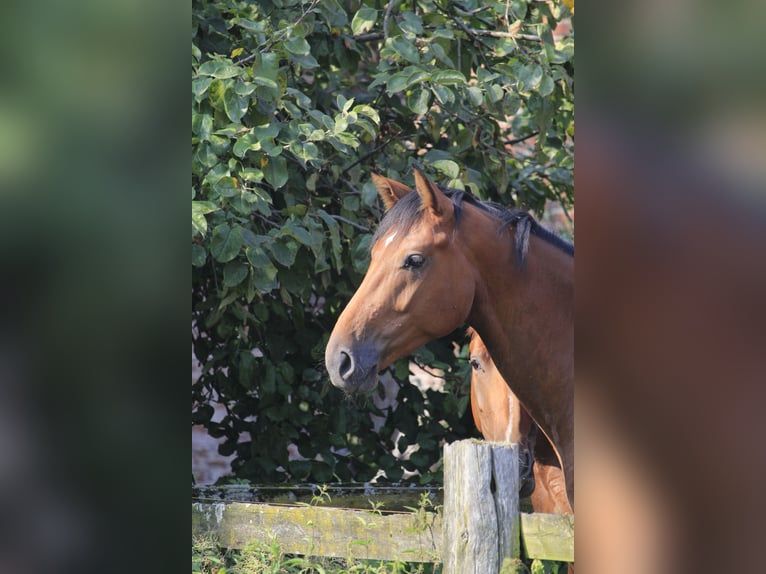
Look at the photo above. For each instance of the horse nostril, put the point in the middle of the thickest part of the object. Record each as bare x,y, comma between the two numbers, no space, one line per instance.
346,365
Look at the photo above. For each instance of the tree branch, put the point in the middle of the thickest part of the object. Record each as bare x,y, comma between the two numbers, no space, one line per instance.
351,223
497,34
368,154
521,139
386,17
369,37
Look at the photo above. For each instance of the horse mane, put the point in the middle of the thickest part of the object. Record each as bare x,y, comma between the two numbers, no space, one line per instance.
408,211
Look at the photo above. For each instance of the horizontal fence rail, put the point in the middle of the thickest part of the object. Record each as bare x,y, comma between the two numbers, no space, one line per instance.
323,531
475,511
345,533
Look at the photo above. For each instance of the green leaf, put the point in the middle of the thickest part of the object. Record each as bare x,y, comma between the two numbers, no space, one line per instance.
219,69
396,83
344,104
199,255
215,94
248,141
230,130
199,224
275,172
406,50
369,193
363,20
546,86
305,61
267,131
448,77
411,24
251,174
447,167
247,366
530,77
351,203
334,230
204,207
227,187
511,103
234,104
441,55
475,95
250,26
348,139
298,46
263,201
305,151
257,257
293,229
204,157
226,242
368,111
494,93
244,88
418,101
360,253
341,124
266,70
200,86
264,271
267,82
284,251
410,76
234,273
444,95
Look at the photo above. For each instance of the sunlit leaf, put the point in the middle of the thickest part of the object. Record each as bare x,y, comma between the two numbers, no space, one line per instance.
364,20
219,69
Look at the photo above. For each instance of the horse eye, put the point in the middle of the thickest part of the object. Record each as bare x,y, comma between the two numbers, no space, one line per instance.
414,261
475,364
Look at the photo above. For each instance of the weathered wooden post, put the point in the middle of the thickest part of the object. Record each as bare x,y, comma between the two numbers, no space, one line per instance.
481,507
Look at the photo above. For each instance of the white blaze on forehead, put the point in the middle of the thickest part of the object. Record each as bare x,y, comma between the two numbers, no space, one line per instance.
389,239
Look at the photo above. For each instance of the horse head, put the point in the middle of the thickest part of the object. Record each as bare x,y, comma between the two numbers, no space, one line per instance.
416,288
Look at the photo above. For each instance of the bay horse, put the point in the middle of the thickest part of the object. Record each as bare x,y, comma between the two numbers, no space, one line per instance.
500,416
441,258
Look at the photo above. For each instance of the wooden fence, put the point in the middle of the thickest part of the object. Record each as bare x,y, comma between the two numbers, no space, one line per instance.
478,529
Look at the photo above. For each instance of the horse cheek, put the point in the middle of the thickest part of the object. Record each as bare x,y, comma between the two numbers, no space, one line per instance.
448,308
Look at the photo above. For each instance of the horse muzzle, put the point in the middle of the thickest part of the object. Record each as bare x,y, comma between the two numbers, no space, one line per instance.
352,368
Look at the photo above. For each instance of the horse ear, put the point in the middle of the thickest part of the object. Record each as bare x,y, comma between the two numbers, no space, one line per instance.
390,191
432,197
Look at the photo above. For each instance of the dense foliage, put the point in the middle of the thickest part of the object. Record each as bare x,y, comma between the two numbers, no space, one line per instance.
293,104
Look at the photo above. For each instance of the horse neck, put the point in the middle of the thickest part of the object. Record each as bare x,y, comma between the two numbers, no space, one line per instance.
525,318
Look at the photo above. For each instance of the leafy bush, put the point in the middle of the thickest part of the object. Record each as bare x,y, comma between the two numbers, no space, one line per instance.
293,104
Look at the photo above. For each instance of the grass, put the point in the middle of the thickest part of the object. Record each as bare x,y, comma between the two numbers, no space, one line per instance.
210,558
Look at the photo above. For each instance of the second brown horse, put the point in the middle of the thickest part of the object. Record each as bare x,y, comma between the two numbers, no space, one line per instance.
500,416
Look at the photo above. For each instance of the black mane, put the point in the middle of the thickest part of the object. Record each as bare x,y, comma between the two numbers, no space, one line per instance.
407,212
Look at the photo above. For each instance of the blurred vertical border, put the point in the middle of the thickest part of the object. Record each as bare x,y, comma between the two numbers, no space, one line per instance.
670,286
94,187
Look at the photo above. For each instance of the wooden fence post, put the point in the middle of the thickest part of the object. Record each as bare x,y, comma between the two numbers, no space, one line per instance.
481,507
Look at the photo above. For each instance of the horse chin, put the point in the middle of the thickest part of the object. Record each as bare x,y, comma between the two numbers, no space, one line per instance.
363,384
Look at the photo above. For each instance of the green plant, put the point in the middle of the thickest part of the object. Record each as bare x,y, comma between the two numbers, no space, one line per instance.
208,557
293,104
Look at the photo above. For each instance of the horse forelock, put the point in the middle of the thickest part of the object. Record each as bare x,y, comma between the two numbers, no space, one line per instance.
408,211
